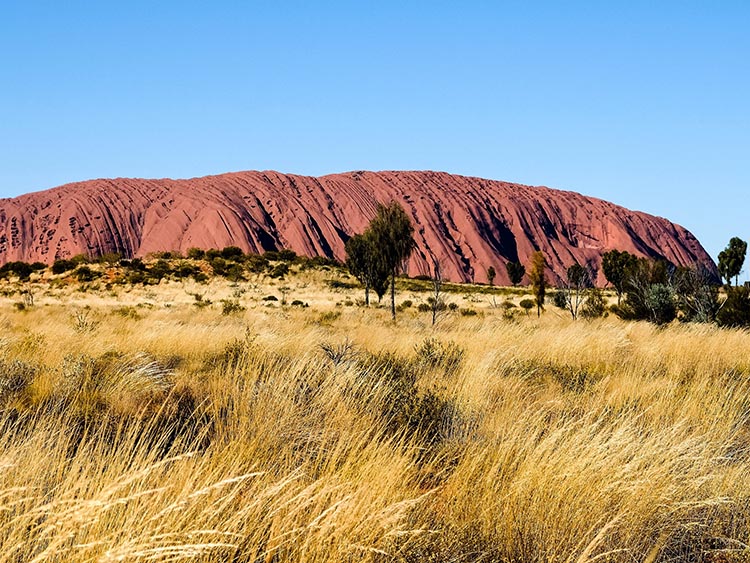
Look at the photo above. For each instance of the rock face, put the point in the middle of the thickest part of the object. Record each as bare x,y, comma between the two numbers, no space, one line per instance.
467,223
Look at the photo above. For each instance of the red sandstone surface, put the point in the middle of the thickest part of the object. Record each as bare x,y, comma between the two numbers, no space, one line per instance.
467,223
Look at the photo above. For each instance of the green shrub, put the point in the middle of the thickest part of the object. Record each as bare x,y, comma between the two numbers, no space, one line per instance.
527,305
279,270
660,301
287,255
595,306
235,273
61,266
231,306
20,269
736,309
256,264
560,299
159,270
270,298
339,284
218,265
468,313
85,274
196,253
232,253
186,270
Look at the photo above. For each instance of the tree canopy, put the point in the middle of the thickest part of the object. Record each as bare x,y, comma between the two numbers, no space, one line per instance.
731,260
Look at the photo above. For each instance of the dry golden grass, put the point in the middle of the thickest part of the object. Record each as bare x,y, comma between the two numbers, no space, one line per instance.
169,432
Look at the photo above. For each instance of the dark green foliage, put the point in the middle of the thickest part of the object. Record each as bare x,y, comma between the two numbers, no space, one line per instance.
186,270
270,298
109,258
85,274
735,311
218,265
393,238
279,270
650,294
61,266
559,299
196,253
697,294
79,259
231,306
527,305
516,271
232,253
595,306
159,270
286,255
731,260
256,264
235,273
20,269
660,303
136,277
212,253
538,280
491,275
283,255
339,284
616,267
365,264
167,255
136,264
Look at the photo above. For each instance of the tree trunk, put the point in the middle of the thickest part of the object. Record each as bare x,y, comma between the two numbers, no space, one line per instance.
367,294
393,295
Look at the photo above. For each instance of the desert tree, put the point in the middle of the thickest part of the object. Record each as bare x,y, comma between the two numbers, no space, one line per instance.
697,294
578,280
393,238
365,264
491,275
538,280
731,260
516,271
617,266
649,292
437,303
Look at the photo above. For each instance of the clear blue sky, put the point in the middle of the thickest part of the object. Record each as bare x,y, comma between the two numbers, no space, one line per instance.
646,104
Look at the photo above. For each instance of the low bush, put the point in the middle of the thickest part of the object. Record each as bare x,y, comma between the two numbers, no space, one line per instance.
231,306
85,274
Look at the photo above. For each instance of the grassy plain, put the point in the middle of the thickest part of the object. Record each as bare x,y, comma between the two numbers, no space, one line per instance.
142,424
